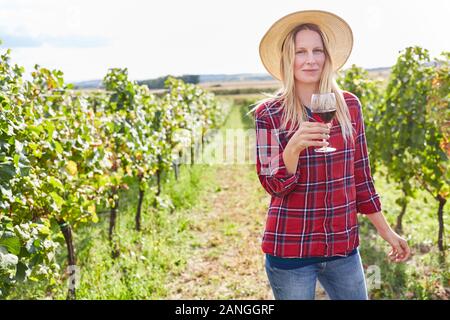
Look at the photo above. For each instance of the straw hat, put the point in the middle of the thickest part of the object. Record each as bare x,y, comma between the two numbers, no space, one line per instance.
336,30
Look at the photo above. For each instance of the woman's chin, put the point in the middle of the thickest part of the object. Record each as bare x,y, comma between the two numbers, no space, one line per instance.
307,80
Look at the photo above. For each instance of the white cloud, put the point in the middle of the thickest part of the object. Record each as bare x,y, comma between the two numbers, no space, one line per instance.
154,38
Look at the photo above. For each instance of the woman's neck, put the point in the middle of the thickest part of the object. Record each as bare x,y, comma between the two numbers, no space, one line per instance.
305,91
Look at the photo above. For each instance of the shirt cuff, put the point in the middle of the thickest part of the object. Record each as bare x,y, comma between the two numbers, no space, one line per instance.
279,172
369,206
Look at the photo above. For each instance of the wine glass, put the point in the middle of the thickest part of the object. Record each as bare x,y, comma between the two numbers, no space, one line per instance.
323,108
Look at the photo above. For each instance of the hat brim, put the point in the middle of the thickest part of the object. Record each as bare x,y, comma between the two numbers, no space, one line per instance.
337,31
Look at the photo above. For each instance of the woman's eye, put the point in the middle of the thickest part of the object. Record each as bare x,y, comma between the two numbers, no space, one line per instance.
303,51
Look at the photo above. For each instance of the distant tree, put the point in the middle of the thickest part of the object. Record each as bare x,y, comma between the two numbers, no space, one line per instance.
158,83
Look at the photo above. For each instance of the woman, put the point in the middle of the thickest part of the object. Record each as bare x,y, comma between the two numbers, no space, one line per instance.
311,229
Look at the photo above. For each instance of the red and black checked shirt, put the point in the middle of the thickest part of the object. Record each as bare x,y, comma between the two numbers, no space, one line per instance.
313,213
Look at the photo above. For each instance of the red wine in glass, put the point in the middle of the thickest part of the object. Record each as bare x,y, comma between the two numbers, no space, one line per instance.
323,108
324,116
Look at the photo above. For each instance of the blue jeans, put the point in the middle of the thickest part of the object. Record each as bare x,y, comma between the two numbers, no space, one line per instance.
342,279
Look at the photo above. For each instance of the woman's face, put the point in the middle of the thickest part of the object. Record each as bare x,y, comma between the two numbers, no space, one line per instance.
309,57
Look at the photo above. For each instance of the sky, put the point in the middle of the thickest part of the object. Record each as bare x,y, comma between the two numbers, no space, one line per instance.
84,38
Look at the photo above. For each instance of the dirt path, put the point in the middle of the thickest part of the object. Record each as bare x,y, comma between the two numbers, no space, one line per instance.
226,260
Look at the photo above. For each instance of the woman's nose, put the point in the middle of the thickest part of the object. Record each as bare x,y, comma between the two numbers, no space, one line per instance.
310,58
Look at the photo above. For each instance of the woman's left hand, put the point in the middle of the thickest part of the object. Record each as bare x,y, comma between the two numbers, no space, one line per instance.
400,250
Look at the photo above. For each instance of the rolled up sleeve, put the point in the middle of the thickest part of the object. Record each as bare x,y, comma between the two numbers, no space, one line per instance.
270,166
367,199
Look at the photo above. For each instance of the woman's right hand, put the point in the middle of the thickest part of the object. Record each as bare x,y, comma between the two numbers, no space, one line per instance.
309,134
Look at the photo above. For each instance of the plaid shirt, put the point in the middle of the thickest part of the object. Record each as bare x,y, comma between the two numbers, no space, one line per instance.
313,213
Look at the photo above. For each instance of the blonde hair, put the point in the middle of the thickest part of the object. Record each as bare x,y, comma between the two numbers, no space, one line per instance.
294,110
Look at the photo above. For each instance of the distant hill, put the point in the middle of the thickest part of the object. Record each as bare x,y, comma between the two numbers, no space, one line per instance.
156,83
235,77
90,84
382,69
